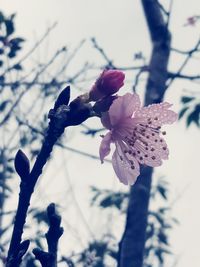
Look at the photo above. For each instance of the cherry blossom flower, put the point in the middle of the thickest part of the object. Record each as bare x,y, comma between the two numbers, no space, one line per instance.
108,83
136,133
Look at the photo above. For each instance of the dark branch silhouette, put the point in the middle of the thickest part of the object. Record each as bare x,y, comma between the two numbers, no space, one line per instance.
49,259
61,116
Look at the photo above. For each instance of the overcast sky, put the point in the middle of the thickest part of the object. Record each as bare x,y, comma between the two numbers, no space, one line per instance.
120,27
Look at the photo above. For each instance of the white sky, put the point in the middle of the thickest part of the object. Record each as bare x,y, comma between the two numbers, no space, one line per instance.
119,26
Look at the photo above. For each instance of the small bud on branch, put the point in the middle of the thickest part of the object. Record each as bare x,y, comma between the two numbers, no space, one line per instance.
63,98
108,83
22,165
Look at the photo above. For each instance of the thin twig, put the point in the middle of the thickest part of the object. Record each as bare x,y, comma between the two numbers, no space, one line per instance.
188,57
162,8
7,116
33,48
102,52
137,77
169,12
182,76
191,51
73,54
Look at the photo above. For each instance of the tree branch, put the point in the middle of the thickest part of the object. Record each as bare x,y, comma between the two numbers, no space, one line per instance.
54,232
182,76
187,58
20,96
131,247
61,116
191,51
33,48
49,259
110,63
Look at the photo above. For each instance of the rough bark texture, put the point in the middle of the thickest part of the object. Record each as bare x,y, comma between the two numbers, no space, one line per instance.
131,247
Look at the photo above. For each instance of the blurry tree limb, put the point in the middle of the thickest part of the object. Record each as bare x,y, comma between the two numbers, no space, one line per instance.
69,59
35,79
131,247
102,52
33,48
49,259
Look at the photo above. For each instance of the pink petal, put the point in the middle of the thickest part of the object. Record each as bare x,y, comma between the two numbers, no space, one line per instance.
152,144
123,169
123,107
104,149
147,157
158,113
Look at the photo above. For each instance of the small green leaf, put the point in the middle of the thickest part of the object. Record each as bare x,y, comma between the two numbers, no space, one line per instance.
9,27
186,99
194,116
162,191
182,112
1,17
17,67
3,105
163,238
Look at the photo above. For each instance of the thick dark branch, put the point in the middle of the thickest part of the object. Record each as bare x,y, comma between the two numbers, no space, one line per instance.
133,241
60,117
43,257
161,39
131,247
26,190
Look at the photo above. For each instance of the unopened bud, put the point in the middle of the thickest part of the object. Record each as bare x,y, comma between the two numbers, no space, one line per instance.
108,83
23,247
63,98
22,165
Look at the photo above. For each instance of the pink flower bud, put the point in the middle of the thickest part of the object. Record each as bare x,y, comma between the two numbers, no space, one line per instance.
108,83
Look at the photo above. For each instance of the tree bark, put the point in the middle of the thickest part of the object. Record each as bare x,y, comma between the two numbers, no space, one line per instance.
131,247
